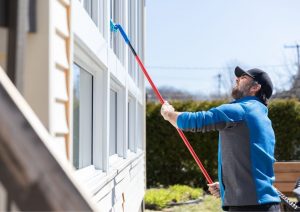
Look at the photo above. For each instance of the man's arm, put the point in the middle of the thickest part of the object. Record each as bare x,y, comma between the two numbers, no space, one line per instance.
219,118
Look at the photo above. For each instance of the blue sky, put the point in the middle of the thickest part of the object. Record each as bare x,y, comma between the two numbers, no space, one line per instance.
212,35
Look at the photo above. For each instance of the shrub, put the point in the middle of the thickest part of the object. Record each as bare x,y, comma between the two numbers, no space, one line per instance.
169,161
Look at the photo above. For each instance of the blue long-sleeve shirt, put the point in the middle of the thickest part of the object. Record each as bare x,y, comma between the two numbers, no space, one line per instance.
246,149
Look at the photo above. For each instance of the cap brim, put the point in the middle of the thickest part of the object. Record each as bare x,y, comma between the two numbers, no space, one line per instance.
239,72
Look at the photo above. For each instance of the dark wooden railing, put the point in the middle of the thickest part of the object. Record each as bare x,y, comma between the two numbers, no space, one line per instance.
34,178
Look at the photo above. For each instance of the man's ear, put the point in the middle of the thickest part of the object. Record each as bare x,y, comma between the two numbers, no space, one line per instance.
255,88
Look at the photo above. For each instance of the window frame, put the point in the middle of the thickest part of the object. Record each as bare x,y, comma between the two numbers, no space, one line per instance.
98,14
85,61
83,158
113,159
117,14
132,33
131,124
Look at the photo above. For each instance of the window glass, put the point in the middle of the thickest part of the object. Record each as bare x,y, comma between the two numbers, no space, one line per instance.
140,126
132,36
82,117
76,108
87,4
131,123
93,9
113,123
116,40
128,122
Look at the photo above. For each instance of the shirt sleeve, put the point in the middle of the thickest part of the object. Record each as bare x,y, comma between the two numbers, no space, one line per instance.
222,117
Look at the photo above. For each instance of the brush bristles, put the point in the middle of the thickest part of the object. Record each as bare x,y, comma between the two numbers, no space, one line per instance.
113,27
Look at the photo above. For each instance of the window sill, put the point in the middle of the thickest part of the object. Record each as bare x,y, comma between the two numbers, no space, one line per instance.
94,180
119,164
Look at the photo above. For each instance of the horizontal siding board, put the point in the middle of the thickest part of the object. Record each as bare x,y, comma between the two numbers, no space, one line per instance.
104,191
59,118
137,161
135,170
105,204
124,183
95,183
60,51
121,187
85,173
118,206
64,2
122,174
60,88
61,19
60,146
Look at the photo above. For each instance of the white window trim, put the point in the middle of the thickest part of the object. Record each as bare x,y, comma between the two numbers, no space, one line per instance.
140,109
83,59
116,42
115,159
132,122
88,35
82,145
94,54
99,15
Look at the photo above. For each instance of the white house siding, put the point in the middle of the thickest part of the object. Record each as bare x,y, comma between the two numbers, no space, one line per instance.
60,76
67,35
48,69
116,182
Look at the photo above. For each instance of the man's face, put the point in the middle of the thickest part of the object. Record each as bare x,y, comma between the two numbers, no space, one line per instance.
242,88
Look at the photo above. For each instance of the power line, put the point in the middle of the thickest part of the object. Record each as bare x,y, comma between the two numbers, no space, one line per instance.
208,68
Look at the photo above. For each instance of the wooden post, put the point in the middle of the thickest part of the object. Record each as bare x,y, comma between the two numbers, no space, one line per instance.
18,27
3,13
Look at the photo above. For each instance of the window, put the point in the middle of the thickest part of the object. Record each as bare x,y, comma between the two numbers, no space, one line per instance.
139,40
117,15
140,126
132,36
113,141
95,9
131,124
87,4
82,117
91,8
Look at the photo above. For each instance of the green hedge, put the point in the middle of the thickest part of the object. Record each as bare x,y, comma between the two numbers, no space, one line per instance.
169,161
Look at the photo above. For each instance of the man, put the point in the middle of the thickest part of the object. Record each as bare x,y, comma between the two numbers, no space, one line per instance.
246,143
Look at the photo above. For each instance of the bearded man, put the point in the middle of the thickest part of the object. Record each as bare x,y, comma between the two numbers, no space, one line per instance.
246,143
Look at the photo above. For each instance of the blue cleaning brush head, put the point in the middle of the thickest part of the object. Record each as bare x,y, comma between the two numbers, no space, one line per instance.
113,26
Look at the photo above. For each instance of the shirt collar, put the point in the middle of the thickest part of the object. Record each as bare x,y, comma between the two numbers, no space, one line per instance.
246,98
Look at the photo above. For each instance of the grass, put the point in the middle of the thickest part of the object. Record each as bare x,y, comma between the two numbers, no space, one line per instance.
158,199
209,203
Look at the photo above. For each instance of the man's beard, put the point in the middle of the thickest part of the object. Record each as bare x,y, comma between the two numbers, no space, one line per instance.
240,92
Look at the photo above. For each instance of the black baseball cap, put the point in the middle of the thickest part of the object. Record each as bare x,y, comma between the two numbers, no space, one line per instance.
259,76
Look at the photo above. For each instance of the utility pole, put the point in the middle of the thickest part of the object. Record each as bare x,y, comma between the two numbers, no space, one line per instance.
219,84
297,46
296,83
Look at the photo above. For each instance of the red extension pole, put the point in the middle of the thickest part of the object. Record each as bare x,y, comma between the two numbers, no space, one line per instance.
114,27
185,140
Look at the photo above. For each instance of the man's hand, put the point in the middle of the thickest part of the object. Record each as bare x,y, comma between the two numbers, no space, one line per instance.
166,108
214,189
